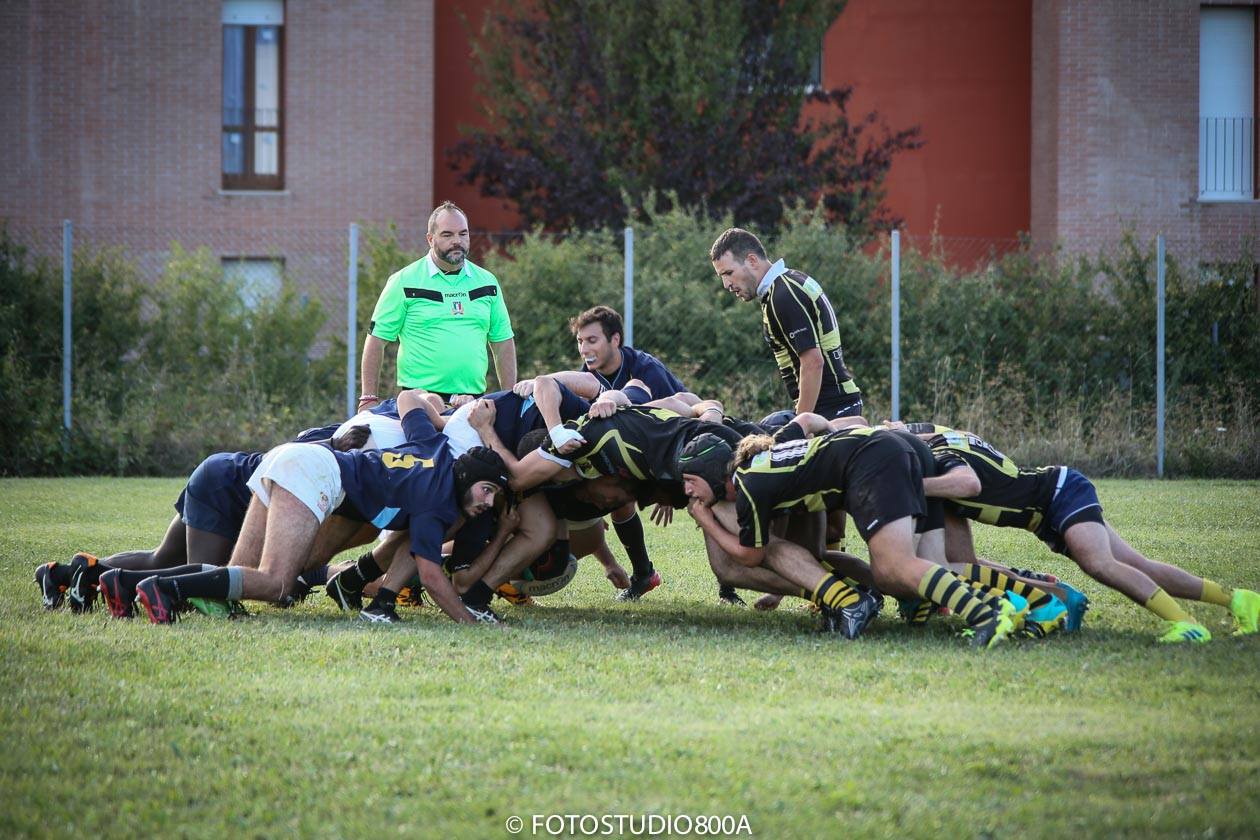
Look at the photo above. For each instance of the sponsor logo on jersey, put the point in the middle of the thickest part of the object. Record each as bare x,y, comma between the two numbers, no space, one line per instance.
457,307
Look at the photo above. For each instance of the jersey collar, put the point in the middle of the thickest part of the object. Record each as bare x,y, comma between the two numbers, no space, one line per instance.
434,271
775,270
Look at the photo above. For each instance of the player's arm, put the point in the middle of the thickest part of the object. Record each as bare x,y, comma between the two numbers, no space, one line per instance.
809,422
504,353
955,480
441,590
417,398
464,578
710,410
584,384
728,542
607,404
810,379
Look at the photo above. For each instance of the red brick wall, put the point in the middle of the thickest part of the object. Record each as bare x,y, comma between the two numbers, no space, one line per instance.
1115,128
114,120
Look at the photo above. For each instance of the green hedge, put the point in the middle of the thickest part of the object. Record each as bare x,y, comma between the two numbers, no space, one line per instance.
1050,357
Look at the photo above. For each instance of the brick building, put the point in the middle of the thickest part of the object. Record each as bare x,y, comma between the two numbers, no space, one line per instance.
261,128
1143,117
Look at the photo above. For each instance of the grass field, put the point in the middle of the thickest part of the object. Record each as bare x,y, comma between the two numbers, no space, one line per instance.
308,723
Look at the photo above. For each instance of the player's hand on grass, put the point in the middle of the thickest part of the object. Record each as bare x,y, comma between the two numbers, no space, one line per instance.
354,438
618,578
662,514
461,399
524,388
482,414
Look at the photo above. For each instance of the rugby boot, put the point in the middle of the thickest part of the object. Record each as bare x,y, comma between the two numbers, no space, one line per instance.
48,577
158,604
640,586
1185,631
118,597
85,575
1244,606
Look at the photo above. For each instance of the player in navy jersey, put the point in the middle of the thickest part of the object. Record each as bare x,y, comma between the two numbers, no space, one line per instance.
600,340
209,513
420,487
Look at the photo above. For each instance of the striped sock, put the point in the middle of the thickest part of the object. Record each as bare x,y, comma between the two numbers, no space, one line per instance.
943,587
994,579
1214,593
832,592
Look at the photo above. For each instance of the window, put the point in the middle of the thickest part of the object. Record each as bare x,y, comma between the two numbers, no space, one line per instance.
1227,103
253,78
257,279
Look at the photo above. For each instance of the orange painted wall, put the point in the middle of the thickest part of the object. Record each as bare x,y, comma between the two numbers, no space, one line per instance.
960,69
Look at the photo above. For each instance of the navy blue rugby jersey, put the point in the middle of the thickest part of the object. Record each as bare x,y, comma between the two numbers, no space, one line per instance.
410,486
637,364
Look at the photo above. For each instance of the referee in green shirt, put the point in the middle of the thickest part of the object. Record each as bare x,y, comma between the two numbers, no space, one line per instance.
442,310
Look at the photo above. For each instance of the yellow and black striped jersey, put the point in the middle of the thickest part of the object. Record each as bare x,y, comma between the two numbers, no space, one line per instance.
636,442
794,476
796,316
1010,496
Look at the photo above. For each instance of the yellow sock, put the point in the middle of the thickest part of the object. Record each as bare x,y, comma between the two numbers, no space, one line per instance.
1214,593
1162,604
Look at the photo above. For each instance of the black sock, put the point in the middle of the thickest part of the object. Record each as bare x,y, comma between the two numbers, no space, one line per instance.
478,595
355,577
315,577
630,533
129,578
384,597
200,585
725,590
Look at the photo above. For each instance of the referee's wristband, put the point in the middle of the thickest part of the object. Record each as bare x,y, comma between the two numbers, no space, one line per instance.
368,398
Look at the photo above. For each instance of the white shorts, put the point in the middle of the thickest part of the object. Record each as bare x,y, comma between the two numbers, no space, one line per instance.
386,431
460,435
307,470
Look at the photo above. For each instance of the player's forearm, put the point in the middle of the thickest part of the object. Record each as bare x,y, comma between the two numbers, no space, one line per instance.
729,542
370,365
547,398
584,384
467,577
810,380
505,362
958,483
442,591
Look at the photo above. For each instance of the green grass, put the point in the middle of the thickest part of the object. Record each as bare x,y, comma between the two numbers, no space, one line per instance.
308,723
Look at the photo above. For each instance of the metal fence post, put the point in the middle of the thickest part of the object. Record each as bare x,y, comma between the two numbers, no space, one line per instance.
1159,356
352,315
67,305
896,325
628,315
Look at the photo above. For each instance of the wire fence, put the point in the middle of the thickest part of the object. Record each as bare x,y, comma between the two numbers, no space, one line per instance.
888,296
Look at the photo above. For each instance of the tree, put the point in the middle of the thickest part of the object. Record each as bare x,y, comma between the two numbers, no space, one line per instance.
601,109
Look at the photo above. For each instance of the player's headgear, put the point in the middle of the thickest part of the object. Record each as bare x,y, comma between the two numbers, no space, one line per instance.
709,457
480,464
773,422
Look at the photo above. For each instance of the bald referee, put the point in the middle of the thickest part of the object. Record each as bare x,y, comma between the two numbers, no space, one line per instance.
442,310
797,321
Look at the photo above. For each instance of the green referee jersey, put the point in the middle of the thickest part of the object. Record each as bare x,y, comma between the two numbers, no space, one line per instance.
442,323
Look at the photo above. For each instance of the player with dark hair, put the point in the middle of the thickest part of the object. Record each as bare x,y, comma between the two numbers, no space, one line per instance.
798,324
869,472
1061,507
419,486
601,344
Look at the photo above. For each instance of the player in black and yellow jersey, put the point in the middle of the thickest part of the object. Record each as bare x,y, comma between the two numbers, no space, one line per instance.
798,324
871,473
1061,507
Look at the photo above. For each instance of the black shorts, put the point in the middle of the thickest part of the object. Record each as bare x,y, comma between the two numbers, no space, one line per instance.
842,405
934,519
883,484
